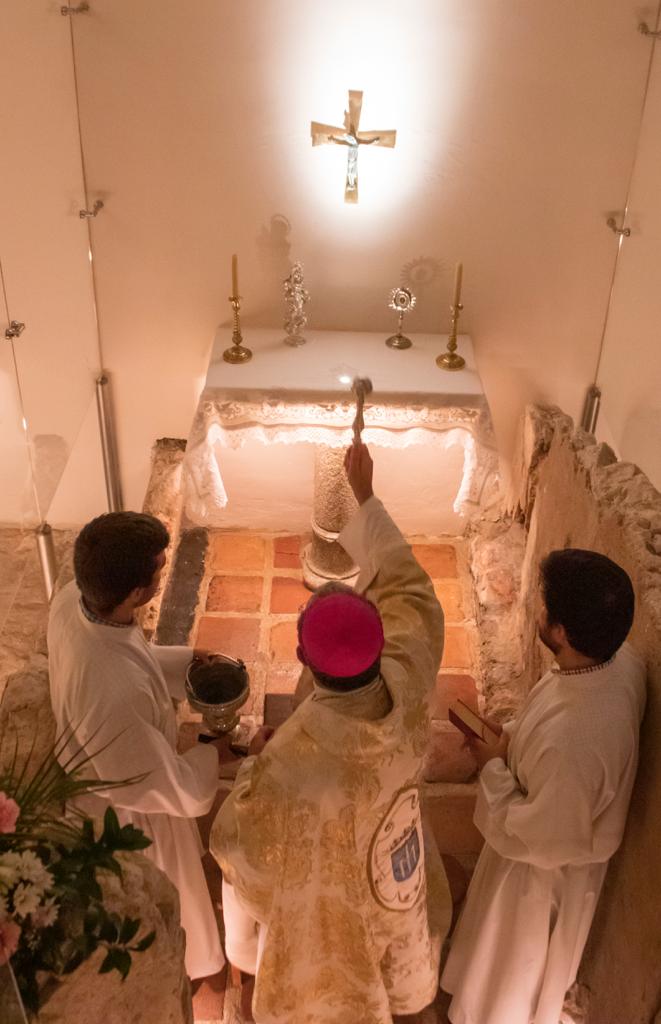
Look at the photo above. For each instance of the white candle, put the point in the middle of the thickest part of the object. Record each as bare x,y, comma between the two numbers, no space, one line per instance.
457,284
235,277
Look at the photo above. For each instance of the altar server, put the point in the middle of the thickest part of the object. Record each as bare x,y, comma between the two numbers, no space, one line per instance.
114,691
321,840
552,803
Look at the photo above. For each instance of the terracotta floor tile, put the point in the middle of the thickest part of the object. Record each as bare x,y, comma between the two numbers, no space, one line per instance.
238,638
449,687
286,552
283,678
447,758
235,594
288,595
456,651
283,641
439,560
236,552
449,594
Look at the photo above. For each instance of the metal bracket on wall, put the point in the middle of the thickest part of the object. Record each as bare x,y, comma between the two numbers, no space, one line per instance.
14,330
591,409
47,557
79,9
645,30
84,214
612,224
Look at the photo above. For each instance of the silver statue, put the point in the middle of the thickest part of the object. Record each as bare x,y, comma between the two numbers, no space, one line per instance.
296,297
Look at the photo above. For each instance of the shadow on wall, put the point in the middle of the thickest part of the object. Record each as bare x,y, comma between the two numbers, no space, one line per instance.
641,436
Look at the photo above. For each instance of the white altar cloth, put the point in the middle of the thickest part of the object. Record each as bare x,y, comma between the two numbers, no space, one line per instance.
302,397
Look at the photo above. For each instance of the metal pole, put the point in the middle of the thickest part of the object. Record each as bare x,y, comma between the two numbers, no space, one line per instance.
591,409
46,550
108,443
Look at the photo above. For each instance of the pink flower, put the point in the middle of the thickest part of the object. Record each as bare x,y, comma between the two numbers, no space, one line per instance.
9,812
10,933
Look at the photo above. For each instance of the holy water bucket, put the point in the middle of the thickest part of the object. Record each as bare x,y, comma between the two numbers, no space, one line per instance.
218,689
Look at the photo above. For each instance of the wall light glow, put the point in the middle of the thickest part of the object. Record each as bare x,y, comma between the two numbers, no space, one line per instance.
388,58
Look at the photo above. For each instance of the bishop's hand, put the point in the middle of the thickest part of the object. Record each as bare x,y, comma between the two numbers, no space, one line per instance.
359,469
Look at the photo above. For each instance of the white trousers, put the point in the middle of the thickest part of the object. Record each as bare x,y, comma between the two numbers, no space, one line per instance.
244,936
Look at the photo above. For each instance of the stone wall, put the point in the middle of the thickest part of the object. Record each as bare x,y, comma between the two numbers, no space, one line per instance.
164,500
568,491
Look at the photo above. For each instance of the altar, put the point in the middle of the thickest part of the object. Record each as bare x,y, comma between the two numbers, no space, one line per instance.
253,453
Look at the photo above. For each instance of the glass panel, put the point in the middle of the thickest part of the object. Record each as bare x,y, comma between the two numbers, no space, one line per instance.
45,250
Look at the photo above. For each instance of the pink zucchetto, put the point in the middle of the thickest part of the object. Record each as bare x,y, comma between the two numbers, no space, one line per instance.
341,635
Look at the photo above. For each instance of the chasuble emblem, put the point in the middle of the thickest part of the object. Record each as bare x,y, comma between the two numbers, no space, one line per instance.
396,858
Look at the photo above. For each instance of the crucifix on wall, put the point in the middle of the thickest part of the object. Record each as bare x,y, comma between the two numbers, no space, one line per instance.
351,137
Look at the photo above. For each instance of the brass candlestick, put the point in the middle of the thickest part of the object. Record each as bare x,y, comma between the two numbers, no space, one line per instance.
237,353
450,360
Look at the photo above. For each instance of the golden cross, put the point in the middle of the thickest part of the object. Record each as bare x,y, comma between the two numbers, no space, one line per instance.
351,137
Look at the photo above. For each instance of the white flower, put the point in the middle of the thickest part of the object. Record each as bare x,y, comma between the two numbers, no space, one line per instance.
26,899
46,914
33,870
10,870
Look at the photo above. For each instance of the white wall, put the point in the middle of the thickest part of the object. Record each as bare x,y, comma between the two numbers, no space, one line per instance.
516,131
630,372
516,134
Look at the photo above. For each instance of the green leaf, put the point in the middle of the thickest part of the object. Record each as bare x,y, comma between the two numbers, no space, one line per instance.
116,959
109,931
145,943
128,929
111,829
108,962
132,838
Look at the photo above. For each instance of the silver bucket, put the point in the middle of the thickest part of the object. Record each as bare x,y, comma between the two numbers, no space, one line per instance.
217,692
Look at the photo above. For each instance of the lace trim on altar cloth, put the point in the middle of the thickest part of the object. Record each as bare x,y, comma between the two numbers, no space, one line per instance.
221,424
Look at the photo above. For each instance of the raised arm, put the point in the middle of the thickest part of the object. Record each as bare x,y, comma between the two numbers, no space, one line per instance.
390,575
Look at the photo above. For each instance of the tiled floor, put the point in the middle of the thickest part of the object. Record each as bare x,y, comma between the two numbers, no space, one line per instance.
253,590
248,603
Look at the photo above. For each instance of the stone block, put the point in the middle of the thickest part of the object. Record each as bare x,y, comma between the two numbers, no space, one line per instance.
457,648
236,637
288,595
453,686
449,809
235,594
287,552
439,560
283,641
156,988
27,725
236,552
450,595
447,758
277,708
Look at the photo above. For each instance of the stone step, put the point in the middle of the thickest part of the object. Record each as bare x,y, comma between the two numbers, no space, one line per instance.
448,759
448,808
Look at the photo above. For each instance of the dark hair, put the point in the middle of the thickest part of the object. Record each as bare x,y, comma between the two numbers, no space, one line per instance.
116,553
591,597
343,684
